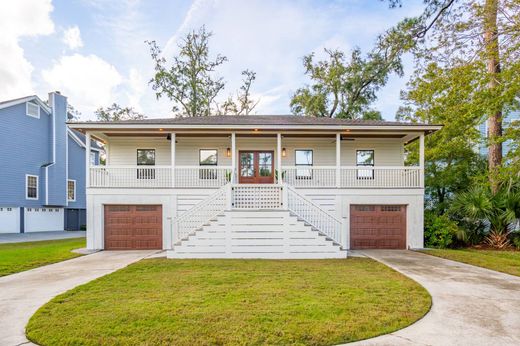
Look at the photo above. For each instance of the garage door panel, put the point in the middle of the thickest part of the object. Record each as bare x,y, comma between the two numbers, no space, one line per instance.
378,227
133,227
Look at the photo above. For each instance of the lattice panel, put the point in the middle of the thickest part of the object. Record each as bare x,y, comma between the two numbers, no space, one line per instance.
257,196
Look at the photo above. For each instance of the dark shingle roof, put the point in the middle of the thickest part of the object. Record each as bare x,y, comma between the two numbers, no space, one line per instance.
257,120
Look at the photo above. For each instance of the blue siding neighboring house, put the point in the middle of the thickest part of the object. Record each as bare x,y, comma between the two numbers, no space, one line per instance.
42,167
508,119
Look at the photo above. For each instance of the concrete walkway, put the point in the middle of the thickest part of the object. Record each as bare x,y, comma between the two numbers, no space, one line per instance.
23,293
37,236
471,305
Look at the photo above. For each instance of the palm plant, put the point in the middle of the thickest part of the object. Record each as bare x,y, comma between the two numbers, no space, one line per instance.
496,214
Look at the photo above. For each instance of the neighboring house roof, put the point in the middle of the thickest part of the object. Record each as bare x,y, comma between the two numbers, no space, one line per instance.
80,139
33,98
250,121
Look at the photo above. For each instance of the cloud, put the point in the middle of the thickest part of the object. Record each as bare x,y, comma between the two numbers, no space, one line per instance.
72,37
88,81
20,19
271,37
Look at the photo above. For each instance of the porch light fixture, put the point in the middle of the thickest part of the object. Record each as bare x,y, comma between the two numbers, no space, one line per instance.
228,152
284,152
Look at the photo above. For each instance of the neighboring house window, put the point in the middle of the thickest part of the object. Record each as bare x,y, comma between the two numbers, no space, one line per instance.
146,157
31,186
208,157
93,158
32,110
365,158
71,190
303,158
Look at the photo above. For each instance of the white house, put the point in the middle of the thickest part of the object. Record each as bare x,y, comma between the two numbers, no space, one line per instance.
255,186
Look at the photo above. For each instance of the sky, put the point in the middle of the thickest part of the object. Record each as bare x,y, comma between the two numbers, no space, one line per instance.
94,51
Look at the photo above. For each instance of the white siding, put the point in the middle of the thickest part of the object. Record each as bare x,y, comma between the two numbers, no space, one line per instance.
387,152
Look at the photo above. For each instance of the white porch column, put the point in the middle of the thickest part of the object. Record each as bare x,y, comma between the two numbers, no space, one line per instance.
172,153
338,160
233,158
421,158
87,159
279,157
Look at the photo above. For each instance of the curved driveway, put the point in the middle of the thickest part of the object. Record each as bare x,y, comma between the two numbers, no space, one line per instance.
471,305
23,293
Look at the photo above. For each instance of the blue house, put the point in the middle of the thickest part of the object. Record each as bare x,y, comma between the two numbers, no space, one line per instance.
508,120
42,166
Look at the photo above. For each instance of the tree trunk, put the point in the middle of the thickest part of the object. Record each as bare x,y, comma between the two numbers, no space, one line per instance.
492,56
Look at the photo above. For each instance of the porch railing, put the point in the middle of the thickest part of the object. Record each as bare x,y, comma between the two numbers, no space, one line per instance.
381,177
309,176
217,176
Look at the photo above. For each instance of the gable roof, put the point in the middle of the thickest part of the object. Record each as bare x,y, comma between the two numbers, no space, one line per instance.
34,98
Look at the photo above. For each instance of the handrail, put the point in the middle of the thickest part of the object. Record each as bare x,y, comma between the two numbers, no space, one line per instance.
313,214
201,213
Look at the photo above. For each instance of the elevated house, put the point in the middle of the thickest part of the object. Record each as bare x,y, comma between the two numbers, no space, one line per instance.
255,186
42,169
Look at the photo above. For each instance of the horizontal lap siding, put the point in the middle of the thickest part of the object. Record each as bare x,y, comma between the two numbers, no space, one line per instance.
123,151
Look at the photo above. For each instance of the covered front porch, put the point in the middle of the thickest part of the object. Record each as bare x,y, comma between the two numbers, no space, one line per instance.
180,160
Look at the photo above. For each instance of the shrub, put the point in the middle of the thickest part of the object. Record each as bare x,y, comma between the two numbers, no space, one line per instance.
439,230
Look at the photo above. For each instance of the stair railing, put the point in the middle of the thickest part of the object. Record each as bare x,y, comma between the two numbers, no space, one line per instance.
312,214
193,219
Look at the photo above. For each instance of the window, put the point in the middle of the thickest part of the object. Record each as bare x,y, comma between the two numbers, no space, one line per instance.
146,157
93,159
71,190
31,186
32,110
365,158
208,157
303,158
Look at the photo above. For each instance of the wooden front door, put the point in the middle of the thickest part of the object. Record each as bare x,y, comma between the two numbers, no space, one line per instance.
378,227
256,167
129,227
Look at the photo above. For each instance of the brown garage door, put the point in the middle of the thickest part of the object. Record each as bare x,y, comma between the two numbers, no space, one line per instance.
378,227
133,227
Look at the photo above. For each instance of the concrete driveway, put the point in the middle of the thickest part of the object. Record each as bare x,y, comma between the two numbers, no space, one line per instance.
23,293
471,305
37,236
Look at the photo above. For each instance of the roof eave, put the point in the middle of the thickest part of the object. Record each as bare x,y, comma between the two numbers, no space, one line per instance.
165,127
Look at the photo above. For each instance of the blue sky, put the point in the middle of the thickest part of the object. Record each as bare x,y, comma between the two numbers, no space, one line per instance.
93,51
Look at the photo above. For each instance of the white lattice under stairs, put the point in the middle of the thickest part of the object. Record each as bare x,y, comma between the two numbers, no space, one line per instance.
256,234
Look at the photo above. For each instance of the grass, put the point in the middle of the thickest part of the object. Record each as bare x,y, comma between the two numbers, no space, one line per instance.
233,302
503,261
17,257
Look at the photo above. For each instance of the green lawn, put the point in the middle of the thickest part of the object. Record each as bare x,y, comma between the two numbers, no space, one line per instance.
502,261
233,302
17,257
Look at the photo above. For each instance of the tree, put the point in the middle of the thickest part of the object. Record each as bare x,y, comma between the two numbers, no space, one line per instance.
345,88
190,81
72,113
479,39
116,113
244,103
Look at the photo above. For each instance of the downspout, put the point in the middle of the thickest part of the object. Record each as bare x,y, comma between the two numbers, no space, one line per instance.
47,165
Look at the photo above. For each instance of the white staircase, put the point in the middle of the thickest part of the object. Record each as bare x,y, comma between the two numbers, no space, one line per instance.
259,233
256,221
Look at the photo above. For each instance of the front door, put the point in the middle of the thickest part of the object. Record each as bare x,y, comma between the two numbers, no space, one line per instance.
256,167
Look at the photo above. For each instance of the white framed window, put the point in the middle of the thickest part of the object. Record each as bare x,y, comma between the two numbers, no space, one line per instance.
32,110
31,186
71,190
92,158
303,158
